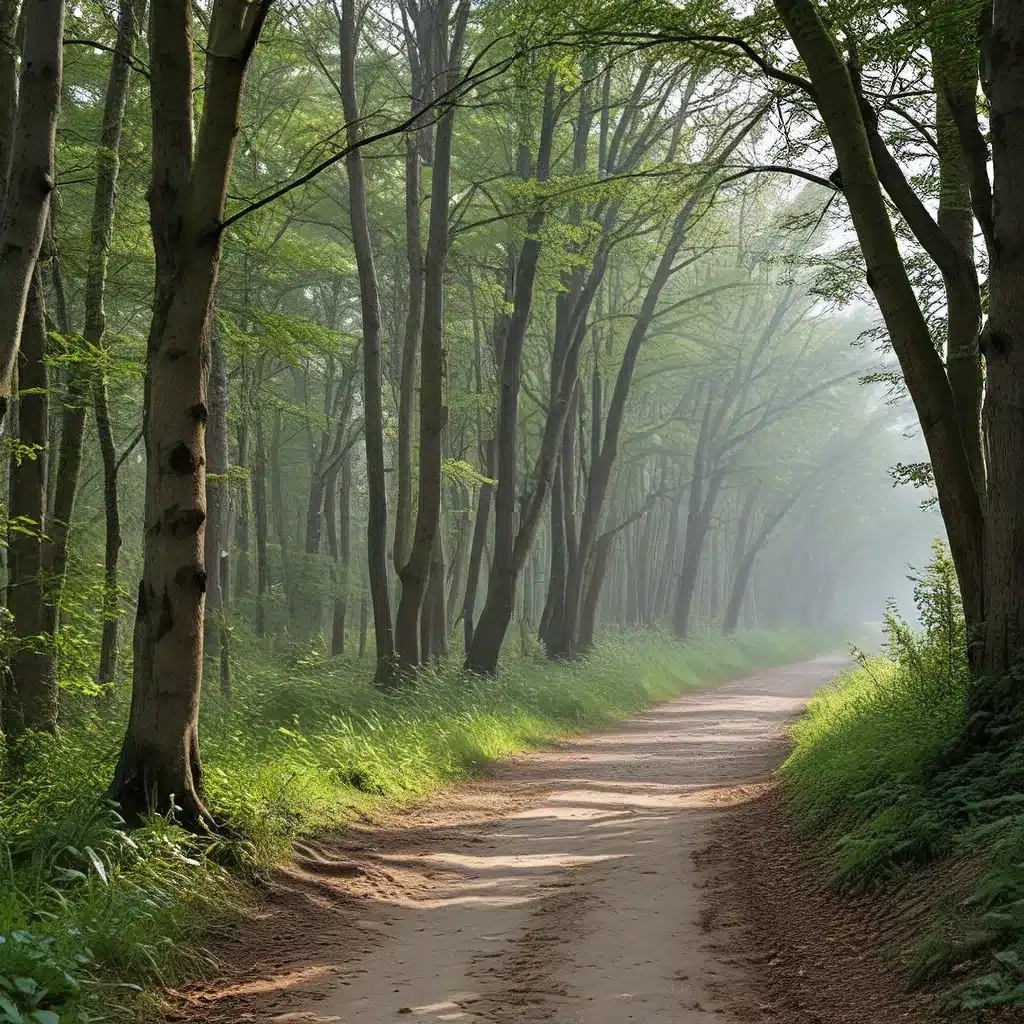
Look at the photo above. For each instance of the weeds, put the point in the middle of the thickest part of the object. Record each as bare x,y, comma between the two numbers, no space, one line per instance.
91,918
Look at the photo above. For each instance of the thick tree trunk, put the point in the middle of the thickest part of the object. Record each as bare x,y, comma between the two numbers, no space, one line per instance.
9,55
588,609
923,371
434,616
160,759
373,413
30,173
1003,346
32,701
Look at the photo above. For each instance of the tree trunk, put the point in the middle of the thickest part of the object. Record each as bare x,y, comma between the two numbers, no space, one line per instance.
476,551
130,16
415,572
33,697
106,674
160,761
243,583
344,557
29,174
697,525
279,511
10,52
73,417
259,511
485,646
216,540
410,347
456,583
923,371
434,616
742,562
369,300
1003,346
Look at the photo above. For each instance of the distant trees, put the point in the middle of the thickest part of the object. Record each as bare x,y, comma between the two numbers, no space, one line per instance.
447,319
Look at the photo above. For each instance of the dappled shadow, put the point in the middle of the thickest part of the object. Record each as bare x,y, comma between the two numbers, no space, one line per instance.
467,859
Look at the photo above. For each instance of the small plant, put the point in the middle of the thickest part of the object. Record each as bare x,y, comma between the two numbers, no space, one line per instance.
34,986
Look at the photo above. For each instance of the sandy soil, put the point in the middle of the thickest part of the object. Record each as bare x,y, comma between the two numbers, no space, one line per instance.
563,887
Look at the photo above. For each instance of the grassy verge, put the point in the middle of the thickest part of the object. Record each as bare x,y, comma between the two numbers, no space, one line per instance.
868,773
88,914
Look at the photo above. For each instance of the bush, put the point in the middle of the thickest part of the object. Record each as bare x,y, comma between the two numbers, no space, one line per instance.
870,771
91,917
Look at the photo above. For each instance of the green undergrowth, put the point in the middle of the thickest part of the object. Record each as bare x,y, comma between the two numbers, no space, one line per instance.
872,772
93,918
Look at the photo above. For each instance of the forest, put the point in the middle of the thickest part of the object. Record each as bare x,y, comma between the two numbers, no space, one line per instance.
388,386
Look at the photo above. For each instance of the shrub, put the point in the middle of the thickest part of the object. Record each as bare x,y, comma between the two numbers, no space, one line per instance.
870,770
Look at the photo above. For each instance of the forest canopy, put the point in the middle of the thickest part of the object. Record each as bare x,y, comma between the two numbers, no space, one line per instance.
392,326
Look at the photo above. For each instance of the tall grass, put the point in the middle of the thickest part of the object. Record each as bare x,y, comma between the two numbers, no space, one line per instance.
89,913
871,771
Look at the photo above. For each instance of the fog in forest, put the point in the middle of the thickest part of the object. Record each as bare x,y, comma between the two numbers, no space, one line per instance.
388,387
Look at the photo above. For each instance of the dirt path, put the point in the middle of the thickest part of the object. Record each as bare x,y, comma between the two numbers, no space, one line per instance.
561,888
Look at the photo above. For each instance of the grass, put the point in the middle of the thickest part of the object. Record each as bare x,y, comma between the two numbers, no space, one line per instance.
870,772
93,920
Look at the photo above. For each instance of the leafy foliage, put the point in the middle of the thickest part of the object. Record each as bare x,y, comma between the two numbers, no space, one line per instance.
871,770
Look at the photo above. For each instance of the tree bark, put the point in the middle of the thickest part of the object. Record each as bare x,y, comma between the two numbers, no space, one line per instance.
160,761
369,299
9,54
279,513
476,551
33,698
413,324
30,174
1003,346
106,673
415,572
742,562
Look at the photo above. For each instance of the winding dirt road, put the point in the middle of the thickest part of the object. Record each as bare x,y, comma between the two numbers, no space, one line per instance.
560,888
